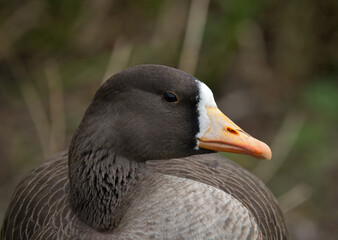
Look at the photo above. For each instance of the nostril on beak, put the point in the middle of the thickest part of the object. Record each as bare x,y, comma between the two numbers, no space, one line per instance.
231,130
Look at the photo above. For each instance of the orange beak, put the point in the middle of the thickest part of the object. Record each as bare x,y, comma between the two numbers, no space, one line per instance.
225,136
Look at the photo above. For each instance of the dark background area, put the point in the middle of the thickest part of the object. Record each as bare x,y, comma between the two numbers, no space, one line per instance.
272,65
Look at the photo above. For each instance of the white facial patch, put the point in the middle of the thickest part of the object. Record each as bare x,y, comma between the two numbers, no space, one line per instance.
206,99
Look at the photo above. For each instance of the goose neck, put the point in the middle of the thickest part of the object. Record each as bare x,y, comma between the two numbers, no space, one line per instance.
99,183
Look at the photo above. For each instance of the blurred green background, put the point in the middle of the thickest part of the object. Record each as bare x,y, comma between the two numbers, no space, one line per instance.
272,65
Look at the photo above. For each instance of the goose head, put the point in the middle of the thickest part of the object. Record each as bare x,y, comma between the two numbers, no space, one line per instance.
155,112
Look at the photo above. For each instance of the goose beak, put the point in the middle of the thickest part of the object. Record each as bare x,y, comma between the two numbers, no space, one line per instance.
225,136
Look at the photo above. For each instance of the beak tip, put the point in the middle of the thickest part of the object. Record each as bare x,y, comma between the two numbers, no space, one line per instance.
266,152
268,156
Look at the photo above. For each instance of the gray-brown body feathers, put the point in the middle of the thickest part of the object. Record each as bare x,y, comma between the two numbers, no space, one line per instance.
45,212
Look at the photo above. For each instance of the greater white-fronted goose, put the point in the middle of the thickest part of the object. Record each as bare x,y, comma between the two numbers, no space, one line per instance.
103,188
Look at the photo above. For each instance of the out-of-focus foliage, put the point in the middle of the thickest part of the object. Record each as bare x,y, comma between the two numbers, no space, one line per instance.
273,66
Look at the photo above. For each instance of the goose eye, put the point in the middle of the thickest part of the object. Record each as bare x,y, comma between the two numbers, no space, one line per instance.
170,97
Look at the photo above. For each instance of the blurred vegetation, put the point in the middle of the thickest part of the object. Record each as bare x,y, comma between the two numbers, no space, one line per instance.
273,66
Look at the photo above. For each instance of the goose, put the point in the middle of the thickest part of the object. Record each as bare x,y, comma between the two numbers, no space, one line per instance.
142,165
